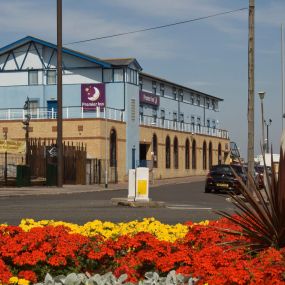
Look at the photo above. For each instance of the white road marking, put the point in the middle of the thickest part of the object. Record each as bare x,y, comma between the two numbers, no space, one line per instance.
186,207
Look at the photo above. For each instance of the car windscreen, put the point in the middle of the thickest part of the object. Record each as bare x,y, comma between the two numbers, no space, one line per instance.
227,169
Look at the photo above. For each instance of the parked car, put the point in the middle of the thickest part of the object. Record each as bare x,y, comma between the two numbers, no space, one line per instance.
222,178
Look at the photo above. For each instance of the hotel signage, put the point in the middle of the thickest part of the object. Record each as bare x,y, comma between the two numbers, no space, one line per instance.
149,98
92,96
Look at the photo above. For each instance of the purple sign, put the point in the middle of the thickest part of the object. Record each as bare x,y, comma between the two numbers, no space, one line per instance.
92,96
149,98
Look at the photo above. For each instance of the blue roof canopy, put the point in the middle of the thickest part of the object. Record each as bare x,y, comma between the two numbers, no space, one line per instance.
53,46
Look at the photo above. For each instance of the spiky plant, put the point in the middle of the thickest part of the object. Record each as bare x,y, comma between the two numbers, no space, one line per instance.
261,216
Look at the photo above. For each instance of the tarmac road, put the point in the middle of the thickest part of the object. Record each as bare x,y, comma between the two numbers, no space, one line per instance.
184,201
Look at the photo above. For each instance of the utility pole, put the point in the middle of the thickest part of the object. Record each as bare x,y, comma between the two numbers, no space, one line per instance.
282,74
59,95
250,113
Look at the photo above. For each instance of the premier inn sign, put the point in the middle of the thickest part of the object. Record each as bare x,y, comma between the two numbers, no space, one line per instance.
92,96
149,98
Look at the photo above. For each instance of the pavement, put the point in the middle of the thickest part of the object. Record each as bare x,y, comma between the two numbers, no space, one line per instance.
70,189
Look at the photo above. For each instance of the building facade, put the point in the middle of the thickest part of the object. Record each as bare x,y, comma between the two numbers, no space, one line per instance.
125,116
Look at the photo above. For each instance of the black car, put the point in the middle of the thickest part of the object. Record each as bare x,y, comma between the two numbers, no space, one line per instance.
222,178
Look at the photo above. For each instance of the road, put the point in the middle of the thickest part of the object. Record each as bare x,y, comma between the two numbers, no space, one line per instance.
184,202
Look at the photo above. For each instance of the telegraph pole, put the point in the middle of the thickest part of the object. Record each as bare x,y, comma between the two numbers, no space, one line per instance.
250,113
59,95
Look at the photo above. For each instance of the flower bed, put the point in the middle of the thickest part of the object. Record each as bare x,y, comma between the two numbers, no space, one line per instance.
32,249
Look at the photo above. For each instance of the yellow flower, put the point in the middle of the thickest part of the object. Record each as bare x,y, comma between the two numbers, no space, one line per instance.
13,280
23,282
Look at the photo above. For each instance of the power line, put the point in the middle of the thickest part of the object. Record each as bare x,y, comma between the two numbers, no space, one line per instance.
157,27
147,29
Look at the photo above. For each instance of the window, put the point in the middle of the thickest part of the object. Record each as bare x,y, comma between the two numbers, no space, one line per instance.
187,154
213,104
162,116
210,155
154,150
199,124
132,76
208,103
192,99
198,100
162,89
208,125
141,110
154,87
113,148
174,116
141,83
174,91
175,153
118,75
220,154
51,77
192,123
167,152
34,106
108,75
194,163
154,114
33,77
204,156
181,95
181,117
214,124
129,75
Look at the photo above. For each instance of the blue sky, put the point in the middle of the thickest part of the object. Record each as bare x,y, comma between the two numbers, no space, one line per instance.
208,55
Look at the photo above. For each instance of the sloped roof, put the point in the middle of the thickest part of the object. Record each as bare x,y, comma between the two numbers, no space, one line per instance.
123,61
27,39
178,85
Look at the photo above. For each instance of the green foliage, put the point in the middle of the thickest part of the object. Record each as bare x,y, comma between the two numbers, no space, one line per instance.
261,213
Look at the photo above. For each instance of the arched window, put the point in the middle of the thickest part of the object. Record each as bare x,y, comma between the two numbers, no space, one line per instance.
113,148
220,154
210,155
154,150
187,154
175,153
204,155
167,152
194,163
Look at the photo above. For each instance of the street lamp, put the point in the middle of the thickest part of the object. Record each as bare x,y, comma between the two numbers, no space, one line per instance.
261,96
267,124
26,123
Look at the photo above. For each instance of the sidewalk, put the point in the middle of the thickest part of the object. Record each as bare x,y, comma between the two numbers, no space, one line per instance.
69,189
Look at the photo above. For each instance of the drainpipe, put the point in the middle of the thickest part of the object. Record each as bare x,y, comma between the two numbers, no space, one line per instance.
204,111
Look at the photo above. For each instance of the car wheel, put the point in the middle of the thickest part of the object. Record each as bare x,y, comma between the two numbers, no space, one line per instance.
207,190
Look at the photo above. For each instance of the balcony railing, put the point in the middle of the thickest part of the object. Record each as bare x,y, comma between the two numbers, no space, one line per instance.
75,112
67,113
183,127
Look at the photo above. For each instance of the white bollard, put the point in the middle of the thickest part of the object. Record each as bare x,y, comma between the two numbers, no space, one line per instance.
132,185
142,184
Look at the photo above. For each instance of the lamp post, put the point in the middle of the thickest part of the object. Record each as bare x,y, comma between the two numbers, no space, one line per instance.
267,124
261,96
26,123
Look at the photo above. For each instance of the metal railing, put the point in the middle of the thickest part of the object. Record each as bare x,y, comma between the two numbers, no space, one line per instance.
74,112
183,127
67,113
